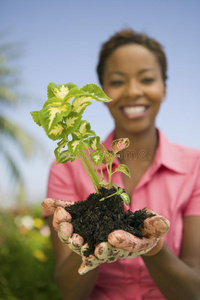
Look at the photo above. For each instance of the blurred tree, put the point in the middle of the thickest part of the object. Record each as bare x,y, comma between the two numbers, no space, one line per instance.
10,132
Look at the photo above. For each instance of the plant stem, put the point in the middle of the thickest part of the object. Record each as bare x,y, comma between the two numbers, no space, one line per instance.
87,171
94,167
104,198
94,176
110,173
102,177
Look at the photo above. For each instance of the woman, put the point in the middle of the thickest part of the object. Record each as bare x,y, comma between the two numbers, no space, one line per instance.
164,177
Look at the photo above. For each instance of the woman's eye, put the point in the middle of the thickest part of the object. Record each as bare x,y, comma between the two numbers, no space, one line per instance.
148,80
116,82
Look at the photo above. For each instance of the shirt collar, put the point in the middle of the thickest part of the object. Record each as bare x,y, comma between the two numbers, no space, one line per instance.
167,154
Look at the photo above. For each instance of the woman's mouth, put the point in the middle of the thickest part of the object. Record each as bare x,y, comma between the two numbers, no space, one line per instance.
133,112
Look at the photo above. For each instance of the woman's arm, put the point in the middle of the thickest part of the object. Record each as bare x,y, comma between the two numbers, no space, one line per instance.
71,285
179,278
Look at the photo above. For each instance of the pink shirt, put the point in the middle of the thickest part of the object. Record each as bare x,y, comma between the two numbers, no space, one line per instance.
171,187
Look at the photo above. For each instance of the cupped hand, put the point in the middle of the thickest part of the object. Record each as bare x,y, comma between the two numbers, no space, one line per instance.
154,229
120,244
62,222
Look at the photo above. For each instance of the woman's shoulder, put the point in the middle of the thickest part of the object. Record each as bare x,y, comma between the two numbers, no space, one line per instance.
186,151
178,157
187,156
176,148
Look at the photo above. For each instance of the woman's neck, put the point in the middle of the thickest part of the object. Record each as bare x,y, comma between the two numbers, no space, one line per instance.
143,145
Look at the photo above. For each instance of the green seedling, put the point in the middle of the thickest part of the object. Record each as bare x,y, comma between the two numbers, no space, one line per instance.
61,118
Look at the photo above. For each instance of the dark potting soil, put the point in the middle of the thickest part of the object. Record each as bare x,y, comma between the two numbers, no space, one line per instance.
94,220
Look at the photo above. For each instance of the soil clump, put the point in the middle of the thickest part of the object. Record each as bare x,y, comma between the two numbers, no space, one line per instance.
94,220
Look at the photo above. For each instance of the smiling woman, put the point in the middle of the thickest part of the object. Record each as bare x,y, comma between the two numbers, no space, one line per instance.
132,70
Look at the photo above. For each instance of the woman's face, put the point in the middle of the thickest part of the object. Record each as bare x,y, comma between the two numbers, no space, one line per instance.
132,78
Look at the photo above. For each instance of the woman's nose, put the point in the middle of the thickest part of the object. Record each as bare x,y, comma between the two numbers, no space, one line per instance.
133,90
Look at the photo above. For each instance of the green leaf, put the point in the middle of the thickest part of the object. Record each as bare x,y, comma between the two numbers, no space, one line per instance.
96,92
50,90
56,133
59,90
83,131
53,112
73,93
35,116
115,186
80,95
84,127
94,142
125,198
72,122
124,169
61,145
77,136
96,157
75,146
120,144
79,104
53,102
64,156
108,156
120,190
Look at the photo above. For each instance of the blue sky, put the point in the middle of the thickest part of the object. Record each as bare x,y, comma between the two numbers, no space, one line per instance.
60,42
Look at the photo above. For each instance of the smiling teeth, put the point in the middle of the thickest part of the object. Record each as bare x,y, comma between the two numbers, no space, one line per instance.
134,110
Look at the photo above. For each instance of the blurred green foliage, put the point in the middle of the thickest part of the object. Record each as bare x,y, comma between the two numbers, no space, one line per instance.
26,256
17,143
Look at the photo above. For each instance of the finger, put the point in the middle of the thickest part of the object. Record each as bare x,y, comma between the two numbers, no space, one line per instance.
127,241
84,248
60,216
86,267
74,247
135,254
91,259
156,226
65,231
127,254
77,240
156,249
106,252
49,205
